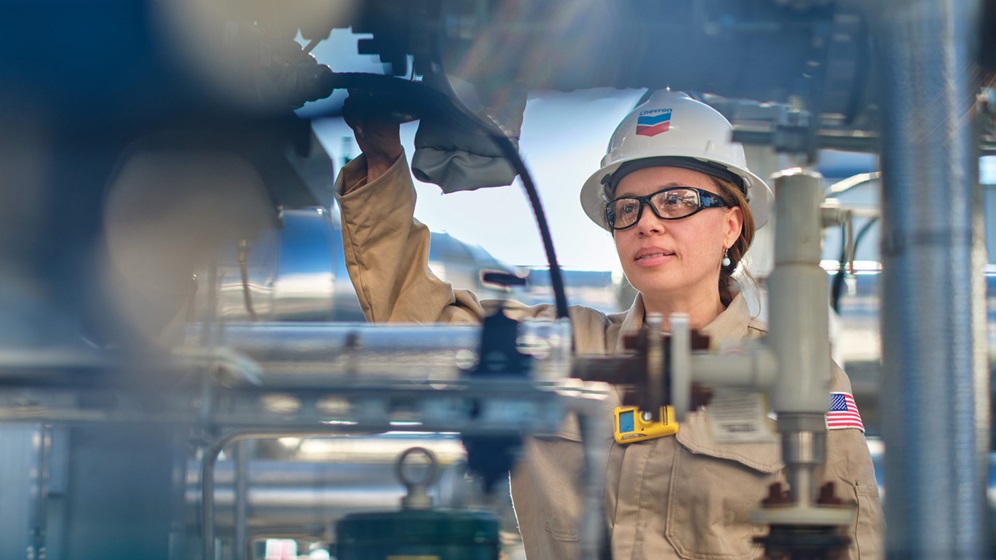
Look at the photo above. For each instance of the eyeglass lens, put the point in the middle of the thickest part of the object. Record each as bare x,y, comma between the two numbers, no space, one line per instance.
668,204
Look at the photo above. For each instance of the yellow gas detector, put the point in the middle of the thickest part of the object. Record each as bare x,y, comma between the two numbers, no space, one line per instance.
632,424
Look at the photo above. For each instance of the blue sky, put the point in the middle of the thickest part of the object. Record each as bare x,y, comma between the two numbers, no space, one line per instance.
564,136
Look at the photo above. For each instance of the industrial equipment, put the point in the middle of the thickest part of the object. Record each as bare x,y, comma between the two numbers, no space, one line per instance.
150,148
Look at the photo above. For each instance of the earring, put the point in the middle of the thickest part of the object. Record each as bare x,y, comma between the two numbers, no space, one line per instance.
726,257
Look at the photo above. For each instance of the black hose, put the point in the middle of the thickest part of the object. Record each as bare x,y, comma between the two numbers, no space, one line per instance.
864,229
556,277
511,152
413,99
838,279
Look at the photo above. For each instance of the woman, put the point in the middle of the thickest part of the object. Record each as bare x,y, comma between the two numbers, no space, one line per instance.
676,195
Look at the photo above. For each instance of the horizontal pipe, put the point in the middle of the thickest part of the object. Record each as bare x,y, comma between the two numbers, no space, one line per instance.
297,506
336,351
748,366
298,493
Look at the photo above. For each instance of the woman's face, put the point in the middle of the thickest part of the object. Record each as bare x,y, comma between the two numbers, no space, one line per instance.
675,258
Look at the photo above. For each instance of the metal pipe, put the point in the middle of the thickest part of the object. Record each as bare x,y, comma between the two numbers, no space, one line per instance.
801,478
750,365
294,494
591,414
799,313
803,451
935,419
42,485
308,473
754,368
242,454
20,477
288,495
800,330
208,462
317,496
681,364
655,360
335,351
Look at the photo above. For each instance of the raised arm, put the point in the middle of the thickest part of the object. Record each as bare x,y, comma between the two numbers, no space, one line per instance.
386,249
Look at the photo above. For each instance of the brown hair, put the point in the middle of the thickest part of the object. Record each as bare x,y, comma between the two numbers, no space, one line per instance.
736,198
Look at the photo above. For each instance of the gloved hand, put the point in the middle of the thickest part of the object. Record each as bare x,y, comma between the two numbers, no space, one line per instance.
377,132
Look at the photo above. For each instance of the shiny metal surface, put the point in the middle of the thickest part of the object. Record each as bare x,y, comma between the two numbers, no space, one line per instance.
299,493
803,452
293,272
312,352
326,352
936,416
296,271
23,478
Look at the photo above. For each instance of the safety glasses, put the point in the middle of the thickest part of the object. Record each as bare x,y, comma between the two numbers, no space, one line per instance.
671,203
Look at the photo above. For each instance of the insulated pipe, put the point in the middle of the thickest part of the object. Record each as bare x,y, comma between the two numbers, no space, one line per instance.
799,314
935,389
296,493
800,330
315,351
311,353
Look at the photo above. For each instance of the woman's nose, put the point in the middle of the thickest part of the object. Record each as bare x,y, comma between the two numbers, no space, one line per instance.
649,222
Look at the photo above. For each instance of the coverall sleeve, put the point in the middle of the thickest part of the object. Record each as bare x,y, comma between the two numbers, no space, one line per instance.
849,466
387,251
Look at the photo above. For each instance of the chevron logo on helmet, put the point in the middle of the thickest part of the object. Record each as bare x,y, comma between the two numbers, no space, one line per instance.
652,123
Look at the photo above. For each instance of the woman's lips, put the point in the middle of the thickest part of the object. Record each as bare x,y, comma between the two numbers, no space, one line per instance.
653,257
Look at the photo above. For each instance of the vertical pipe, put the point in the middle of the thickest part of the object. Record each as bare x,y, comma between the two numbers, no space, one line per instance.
800,330
19,465
208,463
41,490
595,543
934,385
800,324
242,457
655,362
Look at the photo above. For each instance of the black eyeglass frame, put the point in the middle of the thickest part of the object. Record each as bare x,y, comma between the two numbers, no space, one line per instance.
706,200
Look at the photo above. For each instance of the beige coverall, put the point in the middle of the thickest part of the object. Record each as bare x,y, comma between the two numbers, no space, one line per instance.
683,496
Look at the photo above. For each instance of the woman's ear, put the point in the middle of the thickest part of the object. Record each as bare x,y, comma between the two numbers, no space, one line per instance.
733,225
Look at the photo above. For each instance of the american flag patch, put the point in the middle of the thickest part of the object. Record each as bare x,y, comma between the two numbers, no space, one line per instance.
843,413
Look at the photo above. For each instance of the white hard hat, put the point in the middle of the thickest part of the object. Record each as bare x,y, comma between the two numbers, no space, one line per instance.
675,130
